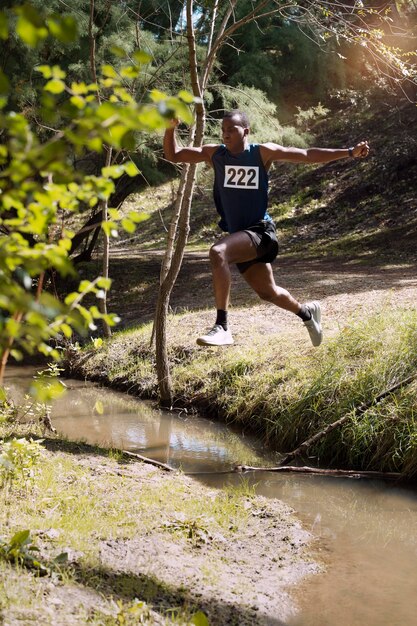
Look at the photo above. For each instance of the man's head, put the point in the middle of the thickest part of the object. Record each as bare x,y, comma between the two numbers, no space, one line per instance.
235,129
239,117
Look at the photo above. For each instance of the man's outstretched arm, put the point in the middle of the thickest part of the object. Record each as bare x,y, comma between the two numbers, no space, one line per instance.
273,152
178,154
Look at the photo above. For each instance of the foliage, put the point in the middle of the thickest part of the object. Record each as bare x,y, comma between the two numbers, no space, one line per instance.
136,612
39,184
21,550
262,114
194,529
117,31
277,58
18,459
306,117
47,386
300,52
80,504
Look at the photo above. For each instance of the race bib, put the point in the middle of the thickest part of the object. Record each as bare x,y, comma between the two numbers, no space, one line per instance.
241,177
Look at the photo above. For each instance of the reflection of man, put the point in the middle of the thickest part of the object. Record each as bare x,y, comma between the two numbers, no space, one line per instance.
241,198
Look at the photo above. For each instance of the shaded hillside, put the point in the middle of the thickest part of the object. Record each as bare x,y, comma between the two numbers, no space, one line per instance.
355,208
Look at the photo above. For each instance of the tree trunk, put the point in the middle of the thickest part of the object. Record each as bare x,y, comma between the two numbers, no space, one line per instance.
183,227
178,233
106,253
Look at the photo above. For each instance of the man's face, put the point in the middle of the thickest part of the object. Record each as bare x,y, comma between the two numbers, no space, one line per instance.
233,133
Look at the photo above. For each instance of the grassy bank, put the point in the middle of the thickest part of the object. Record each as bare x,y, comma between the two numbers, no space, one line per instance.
115,542
286,391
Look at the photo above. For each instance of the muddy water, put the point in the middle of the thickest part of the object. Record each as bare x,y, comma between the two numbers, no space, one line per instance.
367,530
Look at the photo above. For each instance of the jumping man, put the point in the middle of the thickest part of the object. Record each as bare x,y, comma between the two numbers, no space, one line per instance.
241,198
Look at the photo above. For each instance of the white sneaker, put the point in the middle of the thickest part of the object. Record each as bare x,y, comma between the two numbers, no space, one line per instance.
217,336
314,325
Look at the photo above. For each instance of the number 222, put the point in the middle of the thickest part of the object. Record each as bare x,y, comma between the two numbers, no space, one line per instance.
242,177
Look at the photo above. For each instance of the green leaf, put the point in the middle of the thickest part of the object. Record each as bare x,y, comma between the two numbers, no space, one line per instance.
78,102
118,52
45,70
20,539
186,96
131,169
57,72
45,390
63,28
3,395
117,133
67,330
199,619
30,27
157,96
108,71
115,214
79,89
55,86
112,171
95,144
61,559
182,112
128,225
137,217
129,72
16,354
107,228
142,57
97,342
104,283
85,286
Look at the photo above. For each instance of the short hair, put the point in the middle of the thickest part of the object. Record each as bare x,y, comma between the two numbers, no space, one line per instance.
243,118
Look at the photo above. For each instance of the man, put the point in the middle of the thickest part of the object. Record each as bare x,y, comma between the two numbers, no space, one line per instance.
241,198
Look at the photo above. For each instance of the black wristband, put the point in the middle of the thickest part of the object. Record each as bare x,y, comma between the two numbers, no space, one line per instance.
350,150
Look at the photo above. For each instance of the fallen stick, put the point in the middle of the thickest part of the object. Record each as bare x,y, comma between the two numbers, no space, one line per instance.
359,411
146,459
285,469
323,472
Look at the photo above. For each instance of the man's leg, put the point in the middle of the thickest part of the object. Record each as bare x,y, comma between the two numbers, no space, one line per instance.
235,248
260,277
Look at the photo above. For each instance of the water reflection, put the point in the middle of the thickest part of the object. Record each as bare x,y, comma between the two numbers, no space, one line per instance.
190,442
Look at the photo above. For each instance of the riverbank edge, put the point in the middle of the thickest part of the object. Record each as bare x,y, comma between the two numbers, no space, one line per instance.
194,546
350,370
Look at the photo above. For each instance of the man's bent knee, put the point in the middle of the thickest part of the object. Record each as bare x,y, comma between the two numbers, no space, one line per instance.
217,253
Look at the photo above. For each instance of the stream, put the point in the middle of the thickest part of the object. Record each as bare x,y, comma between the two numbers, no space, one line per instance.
366,529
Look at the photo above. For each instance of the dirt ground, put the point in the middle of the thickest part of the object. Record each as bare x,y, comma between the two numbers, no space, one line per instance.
240,578
345,288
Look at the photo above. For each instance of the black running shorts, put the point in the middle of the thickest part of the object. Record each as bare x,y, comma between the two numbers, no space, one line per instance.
265,240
